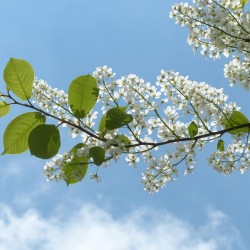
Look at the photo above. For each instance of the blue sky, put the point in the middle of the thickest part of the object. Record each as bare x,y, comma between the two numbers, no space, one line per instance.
65,39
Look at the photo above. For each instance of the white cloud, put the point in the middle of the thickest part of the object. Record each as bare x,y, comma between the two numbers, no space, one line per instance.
92,228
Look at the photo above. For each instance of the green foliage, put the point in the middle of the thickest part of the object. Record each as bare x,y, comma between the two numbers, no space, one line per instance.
98,155
243,2
16,135
116,118
4,108
76,170
102,128
236,119
220,145
82,94
44,141
124,139
19,78
192,129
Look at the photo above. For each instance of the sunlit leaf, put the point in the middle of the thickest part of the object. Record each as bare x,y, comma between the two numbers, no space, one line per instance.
192,129
102,126
19,78
116,118
243,2
236,119
124,139
4,108
82,94
44,141
16,135
220,145
75,170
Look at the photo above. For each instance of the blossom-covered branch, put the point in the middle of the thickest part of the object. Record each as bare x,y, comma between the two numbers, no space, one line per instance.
161,126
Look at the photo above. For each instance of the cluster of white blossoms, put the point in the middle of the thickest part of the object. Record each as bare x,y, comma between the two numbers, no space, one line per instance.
158,135
238,71
216,28
235,157
51,101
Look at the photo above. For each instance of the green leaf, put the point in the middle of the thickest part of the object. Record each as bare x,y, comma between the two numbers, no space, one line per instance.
116,118
123,108
192,129
16,135
220,145
19,78
44,141
102,127
243,2
4,108
123,138
236,119
76,170
82,95
98,155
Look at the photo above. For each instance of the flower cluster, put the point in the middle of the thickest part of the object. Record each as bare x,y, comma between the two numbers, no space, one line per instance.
237,71
235,157
52,101
160,136
216,28
161,115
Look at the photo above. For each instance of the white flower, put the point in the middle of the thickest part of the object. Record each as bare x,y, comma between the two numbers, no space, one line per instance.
95,177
